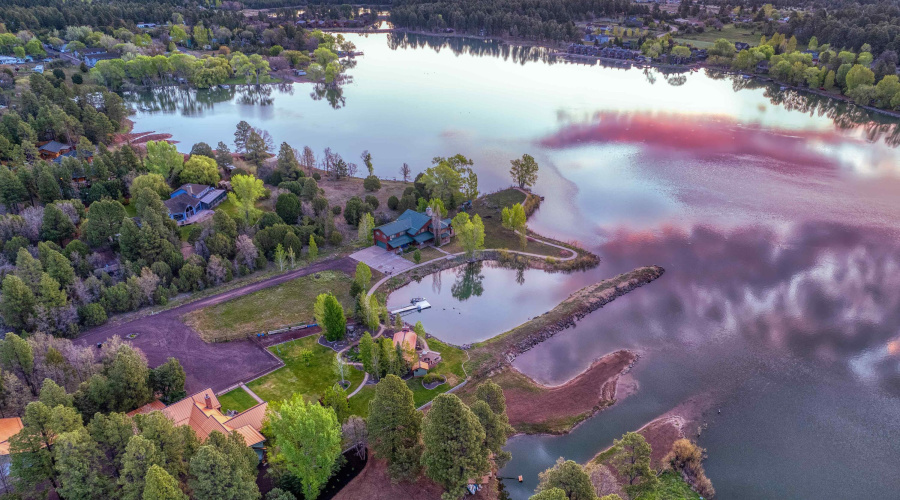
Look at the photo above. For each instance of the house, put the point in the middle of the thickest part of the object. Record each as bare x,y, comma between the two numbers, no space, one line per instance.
189,200
762,67
420,369
406,338
51,150
202,412
412,228
91,59
739,46
9,427
146,25
39,68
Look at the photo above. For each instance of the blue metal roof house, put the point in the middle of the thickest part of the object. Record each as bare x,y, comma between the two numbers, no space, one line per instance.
411,228
191,199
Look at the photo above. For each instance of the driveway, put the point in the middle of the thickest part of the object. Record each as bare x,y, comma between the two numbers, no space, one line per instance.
164,335
382,260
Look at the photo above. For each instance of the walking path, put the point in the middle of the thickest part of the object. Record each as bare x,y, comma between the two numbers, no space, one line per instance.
454,255
251,393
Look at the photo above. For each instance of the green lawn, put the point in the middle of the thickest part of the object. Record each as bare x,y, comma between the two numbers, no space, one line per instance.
428,253
670,487
359,404
296,377
490,208
131,210
236,399
450,367
710,35
271,308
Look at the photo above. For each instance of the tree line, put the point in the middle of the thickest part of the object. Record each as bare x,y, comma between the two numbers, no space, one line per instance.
535,20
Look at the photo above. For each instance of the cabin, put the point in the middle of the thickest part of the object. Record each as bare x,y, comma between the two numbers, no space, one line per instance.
412,229
739,46
190,200
91,59
51,150
203,413
420,369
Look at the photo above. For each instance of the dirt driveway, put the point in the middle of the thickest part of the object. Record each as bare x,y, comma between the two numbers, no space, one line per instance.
382,260
218,366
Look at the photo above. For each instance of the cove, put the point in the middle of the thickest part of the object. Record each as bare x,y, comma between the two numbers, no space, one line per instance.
774,214
477,301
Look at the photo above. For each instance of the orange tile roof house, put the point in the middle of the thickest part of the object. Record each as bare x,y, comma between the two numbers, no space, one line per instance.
202,411
407,338
9,427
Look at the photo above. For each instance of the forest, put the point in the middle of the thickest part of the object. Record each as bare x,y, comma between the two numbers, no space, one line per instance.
530,19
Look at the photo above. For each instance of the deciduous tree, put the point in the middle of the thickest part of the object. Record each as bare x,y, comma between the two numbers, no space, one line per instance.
570,477
524,171
307,441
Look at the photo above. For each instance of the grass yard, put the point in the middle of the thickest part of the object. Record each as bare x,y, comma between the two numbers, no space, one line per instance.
296,377
237,400
269,309
670,487
490,208
428,253
359,404
451,367
710,35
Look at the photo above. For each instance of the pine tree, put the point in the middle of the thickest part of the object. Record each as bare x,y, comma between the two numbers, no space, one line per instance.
78,466
454,445
366,352
395,428
140,455
159,485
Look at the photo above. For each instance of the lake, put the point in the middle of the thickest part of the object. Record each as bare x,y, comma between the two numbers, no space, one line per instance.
773,213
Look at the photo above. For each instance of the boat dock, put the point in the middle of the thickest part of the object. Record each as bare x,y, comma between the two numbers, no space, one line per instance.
415,305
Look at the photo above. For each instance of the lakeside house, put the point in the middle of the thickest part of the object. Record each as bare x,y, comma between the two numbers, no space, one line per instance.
188,203
412,228
202,412
92,56
51,150
405,338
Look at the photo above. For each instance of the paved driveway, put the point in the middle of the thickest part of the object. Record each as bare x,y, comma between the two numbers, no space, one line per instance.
382,260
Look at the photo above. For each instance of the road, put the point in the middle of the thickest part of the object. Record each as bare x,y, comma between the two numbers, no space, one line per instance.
217,366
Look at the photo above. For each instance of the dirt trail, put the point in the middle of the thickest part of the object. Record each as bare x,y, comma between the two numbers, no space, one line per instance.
164,335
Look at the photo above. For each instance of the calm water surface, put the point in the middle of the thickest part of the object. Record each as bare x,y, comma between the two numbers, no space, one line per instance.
775,216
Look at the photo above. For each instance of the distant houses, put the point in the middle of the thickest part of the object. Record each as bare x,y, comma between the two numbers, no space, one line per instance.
52,150
189,201
412,229
92,56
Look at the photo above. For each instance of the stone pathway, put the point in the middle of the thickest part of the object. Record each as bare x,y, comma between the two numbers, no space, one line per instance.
251,393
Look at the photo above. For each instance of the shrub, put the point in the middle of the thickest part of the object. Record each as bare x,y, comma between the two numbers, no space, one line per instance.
316,176
92,314
336,238
269,219
372,202
393,202
431,378
417,256
372,183
77,79
336,210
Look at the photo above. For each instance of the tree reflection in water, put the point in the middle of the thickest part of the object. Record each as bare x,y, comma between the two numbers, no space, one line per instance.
469,282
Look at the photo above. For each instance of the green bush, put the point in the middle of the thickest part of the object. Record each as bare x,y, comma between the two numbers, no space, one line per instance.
336,238
372,183
316,176
393,202
372,202
336,210
92,314
431,378
77,79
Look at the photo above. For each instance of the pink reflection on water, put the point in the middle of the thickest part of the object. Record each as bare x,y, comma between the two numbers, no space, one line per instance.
700,136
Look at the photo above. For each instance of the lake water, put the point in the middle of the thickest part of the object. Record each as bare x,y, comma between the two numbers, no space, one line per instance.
774,214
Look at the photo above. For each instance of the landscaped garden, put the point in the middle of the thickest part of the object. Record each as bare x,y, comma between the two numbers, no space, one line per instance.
450,367
271,308
309,370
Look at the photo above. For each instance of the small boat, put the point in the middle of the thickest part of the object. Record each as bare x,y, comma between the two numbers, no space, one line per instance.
416,300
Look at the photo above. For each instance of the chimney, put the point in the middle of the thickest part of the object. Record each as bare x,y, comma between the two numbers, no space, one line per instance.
208,402
428,211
